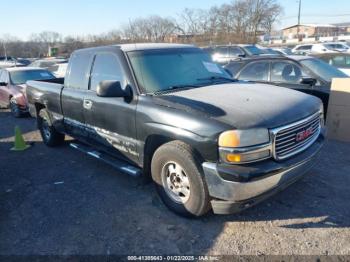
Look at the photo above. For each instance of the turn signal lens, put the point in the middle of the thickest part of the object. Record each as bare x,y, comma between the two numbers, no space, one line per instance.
233,158
229,139
236,158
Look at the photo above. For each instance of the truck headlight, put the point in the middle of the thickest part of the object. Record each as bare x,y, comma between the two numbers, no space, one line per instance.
243,146
243,138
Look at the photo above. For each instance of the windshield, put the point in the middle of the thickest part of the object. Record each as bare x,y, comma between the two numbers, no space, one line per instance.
167,69
322,69
253,50
21,77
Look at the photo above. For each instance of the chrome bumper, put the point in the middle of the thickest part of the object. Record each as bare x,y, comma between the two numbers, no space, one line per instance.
232,196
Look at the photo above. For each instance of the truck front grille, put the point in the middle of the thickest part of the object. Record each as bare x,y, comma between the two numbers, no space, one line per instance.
297,137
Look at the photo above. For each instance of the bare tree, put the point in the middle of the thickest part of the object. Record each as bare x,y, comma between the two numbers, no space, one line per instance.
150,29
239,21
193,21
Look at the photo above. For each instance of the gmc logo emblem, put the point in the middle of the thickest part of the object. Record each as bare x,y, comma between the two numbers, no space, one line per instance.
304,134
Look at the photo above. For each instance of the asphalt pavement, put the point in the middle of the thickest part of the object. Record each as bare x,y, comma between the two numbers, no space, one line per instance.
62,202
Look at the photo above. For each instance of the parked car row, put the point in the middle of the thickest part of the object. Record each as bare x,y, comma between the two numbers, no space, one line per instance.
168,112
57,66
330,47
224,54
303,73
335,53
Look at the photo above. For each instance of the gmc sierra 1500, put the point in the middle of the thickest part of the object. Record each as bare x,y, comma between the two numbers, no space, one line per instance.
169,112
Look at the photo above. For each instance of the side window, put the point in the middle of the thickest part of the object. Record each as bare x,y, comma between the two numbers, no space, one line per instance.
286,72
235,51
304,47
1,76
78,72
258,71
106,67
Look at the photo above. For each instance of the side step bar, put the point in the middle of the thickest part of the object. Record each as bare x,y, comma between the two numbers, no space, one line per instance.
116,163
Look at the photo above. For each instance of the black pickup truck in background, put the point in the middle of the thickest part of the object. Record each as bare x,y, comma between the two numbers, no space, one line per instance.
168,112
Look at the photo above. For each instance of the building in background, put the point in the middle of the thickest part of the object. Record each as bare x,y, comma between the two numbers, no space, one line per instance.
345,27
313,30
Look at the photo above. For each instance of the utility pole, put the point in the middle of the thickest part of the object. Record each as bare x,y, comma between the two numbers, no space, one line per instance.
298,28
5,53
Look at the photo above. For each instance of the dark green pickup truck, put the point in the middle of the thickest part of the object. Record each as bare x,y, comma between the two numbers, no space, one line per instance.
168,112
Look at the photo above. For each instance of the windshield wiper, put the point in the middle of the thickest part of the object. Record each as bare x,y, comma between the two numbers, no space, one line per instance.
216,78
176,87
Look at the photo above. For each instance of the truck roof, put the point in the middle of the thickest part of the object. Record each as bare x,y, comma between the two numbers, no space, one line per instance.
148,46
138,47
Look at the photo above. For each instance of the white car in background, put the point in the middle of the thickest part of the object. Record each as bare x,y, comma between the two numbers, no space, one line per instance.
304,49
329,47
332,47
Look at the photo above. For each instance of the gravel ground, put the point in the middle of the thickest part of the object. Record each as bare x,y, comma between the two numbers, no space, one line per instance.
60,201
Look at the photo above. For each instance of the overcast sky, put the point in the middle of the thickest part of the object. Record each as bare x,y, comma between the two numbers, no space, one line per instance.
78,17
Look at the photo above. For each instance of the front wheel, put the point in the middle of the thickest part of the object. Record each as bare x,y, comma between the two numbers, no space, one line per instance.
179,179
48,132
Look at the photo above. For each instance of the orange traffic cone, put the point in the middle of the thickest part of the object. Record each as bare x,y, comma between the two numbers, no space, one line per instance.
20,144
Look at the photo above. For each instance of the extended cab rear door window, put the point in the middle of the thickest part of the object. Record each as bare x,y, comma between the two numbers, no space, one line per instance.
106,67
78,71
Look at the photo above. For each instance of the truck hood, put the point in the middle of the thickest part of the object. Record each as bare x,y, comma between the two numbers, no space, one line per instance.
245,105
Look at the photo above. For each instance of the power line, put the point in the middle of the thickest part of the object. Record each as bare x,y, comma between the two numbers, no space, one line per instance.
314,15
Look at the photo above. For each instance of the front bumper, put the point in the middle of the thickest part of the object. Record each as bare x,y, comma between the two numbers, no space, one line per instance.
235,188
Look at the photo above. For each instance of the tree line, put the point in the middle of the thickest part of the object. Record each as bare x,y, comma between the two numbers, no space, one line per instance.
240,21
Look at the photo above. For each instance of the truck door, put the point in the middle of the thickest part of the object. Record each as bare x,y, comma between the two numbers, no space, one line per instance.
75,88
111,121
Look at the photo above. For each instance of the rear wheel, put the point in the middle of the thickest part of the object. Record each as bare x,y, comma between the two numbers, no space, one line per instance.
15,110
48,132
179,179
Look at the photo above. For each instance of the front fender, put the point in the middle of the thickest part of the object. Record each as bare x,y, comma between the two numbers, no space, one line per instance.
205,146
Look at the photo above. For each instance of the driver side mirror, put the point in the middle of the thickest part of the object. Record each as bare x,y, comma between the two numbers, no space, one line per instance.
112,88
308,81
3,84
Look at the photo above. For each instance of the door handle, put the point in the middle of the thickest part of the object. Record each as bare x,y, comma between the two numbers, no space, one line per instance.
87,104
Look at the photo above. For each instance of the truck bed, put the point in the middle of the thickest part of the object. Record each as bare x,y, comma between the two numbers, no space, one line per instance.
45,91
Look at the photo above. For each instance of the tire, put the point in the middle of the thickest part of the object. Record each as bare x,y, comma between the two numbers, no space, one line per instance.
175,165
48,133
15,110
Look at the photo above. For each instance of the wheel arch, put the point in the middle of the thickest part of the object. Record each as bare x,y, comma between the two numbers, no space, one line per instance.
155,141
38,107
